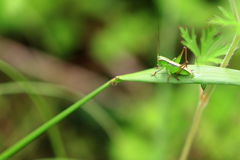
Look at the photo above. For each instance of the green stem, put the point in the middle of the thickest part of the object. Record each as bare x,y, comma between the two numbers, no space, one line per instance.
36,133
42,106
92,108
204,100
192,131
195,123
230,52
205,96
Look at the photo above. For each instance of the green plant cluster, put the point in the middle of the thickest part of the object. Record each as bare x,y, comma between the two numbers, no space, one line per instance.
78,45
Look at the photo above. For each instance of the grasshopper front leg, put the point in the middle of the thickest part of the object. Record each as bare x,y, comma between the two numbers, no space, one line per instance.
156,71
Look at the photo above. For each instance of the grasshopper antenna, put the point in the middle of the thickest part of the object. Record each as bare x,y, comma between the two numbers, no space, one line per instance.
158,39
158,33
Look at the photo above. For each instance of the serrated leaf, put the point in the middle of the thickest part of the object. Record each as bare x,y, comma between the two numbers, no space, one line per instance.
201,75
210,49
227,20
190,41
209,37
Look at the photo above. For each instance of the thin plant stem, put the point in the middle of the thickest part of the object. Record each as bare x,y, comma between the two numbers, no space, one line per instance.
196,120
230,51
36,133
41,104
205,96
98,113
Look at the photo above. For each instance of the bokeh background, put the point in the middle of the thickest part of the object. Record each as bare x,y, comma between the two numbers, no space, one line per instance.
69,48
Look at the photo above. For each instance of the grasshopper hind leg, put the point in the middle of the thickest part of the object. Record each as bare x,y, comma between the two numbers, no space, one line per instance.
175,76
184,65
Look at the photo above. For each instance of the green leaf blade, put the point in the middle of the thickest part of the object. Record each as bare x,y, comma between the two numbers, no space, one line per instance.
201,75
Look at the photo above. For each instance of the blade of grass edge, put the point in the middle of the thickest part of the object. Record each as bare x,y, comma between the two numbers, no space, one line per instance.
201,75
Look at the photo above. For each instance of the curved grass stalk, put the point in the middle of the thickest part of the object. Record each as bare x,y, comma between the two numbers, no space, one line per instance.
44,109
36,133
58,91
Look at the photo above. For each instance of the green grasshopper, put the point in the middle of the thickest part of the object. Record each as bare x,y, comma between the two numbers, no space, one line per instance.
172,66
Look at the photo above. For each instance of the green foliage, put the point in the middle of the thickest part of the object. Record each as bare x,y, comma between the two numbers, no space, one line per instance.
227,20
116,37
210,48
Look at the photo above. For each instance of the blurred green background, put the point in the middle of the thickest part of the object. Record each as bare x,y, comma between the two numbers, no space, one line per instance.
79,45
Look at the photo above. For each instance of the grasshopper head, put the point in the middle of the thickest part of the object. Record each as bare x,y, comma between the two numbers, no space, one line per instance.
159,59
162,60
